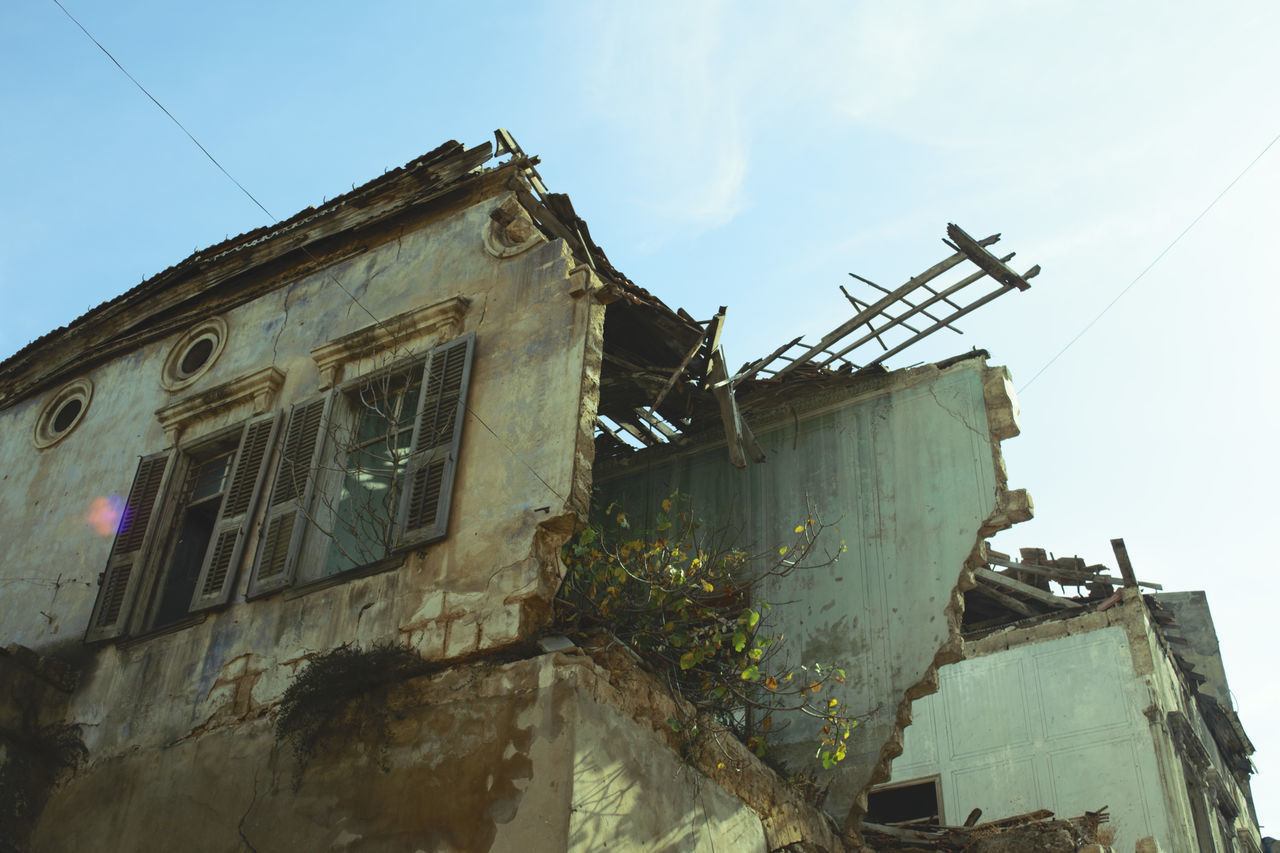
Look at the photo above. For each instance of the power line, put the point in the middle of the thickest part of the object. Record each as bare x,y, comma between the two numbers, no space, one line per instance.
1138,278
328,273
230,177
144,91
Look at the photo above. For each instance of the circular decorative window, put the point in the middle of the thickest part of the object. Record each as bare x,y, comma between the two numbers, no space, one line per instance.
193,354
62,413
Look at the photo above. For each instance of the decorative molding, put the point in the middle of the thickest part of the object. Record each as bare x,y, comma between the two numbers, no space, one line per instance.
404,334
172,377
48,431
510,230
255,392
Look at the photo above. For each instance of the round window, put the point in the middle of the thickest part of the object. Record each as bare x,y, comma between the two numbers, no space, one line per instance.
62,413
193,354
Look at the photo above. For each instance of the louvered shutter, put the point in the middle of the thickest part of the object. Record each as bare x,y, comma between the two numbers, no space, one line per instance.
231,531
437,437
290,500
119,582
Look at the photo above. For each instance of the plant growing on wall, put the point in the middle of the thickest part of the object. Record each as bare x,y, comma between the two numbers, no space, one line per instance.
685,600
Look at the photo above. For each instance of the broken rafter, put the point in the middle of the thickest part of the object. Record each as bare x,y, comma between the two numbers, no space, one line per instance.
1023,589
906,302
1122,559
1031,273
976,251
713,329
1004,600
874,310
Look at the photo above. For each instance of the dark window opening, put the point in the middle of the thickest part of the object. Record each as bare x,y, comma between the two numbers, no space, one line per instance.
916,801
195,356
206,484
66,415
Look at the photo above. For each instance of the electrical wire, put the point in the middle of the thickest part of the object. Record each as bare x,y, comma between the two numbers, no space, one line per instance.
328,273
1158,257
222,169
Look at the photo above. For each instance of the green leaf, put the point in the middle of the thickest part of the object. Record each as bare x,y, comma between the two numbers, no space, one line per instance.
688,660
739,641
751,673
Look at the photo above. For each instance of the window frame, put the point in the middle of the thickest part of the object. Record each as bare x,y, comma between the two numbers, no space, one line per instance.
270,448
276,564
143,552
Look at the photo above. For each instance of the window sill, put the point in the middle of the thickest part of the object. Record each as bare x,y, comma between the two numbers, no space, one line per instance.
173,628
377,567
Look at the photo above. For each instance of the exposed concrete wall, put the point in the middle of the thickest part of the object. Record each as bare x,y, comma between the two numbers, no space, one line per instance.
539,754
537,341
1068,715
910,472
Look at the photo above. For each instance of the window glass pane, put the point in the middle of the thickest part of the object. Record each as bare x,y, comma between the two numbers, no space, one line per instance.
209,477
373,469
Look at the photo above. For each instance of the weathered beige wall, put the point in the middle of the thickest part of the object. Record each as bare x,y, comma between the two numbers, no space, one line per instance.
535,330
908,470
529,756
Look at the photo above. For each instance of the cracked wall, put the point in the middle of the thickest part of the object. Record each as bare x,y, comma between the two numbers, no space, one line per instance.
908,469
484,587
1081,702
538,754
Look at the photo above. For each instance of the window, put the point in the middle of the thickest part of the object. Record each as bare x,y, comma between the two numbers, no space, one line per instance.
62,413
905,803
349,480
366,472
178,555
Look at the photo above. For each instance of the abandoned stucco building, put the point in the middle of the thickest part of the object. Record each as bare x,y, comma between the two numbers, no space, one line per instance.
372,427
1117,697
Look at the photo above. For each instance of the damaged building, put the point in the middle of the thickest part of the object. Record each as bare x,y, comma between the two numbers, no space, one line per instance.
302,500
1077,689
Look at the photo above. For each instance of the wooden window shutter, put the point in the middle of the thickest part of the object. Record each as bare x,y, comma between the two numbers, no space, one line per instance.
231,530
119,581
290,498
437,438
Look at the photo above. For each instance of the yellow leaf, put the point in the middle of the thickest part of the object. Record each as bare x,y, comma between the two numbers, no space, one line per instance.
782,550
799,528
708,587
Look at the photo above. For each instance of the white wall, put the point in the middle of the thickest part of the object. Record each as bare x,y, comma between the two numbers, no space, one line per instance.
1057,724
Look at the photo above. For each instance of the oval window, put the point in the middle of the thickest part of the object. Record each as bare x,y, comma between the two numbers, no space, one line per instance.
193,354
62,413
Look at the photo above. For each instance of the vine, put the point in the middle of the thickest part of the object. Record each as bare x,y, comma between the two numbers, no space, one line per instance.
685,601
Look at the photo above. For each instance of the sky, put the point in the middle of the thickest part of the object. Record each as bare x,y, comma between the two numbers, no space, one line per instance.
752,155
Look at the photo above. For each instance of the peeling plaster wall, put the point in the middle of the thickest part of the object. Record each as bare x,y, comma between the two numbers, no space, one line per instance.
910,472
1068,715
481,588
535,755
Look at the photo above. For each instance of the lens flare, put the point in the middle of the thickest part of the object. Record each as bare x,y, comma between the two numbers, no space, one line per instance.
105,513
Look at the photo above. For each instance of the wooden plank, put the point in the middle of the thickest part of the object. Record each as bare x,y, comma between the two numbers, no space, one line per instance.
943,296
1024,589
729,414
1005,600
1031,273
1050,572
1122,558
977,253
906,302
861,319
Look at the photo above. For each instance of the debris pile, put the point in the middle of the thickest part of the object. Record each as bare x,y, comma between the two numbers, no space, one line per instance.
1036,831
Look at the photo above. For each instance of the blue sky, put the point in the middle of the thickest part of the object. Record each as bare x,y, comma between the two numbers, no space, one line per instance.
752,155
